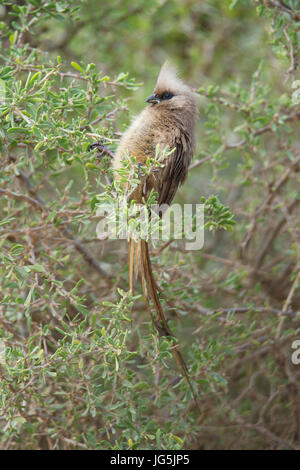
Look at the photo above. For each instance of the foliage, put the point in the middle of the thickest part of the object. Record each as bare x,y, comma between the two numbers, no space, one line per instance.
81,365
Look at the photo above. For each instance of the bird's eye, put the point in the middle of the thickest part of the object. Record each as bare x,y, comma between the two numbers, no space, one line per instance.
167,96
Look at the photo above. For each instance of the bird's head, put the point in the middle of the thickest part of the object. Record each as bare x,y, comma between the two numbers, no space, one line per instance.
171,94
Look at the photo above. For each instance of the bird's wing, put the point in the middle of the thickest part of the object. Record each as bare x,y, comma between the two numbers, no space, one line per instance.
175,170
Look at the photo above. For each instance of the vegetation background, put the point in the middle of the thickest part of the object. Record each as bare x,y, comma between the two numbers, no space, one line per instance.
81,366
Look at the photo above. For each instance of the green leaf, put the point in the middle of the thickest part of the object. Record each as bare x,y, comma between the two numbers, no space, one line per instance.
36,268
13,38
77,67
35,77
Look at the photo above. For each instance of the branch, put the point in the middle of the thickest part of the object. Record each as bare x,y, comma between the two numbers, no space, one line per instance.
41,204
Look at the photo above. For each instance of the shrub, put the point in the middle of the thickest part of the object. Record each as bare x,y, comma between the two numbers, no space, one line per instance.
81,365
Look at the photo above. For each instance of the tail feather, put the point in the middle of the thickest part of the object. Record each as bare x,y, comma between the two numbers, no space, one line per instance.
148,282
152,286
131,263
136,261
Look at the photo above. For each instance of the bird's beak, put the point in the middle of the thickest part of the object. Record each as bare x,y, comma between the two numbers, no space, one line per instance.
153,99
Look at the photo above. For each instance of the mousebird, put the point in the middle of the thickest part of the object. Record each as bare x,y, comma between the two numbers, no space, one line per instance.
167,121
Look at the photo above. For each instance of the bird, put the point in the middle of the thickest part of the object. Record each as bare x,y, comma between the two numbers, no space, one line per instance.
168,121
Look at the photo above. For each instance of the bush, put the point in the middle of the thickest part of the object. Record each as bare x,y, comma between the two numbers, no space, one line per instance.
81,364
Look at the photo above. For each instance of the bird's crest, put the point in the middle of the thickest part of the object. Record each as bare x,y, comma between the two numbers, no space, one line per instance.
168,80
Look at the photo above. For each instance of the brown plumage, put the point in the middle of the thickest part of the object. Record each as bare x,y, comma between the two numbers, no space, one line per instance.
168,120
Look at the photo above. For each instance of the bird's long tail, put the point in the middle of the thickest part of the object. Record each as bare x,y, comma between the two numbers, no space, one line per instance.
133,262
140,250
